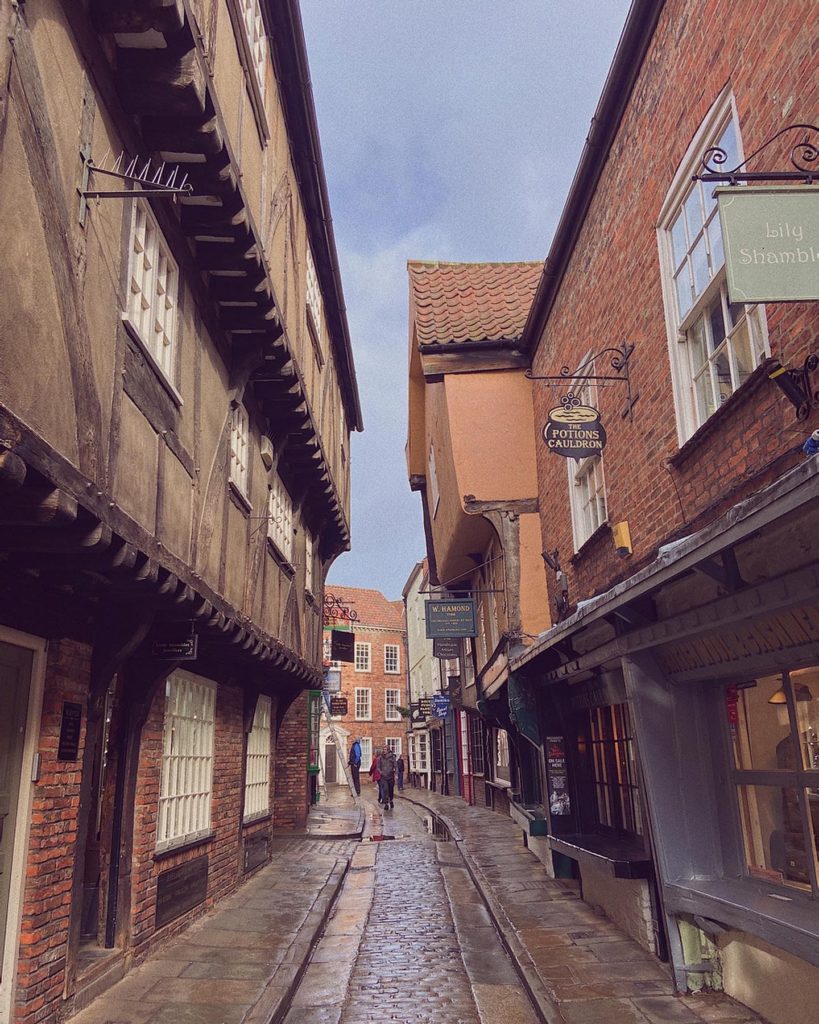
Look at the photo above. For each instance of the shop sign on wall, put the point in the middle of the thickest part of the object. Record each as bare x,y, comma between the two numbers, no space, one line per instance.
771,240
440,705
451,618
447,648
338,705
559,800
574,430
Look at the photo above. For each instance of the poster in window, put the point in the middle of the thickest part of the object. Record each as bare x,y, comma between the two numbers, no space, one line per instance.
559,800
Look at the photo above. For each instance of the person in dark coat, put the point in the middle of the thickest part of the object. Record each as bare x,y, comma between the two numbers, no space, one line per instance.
399,766
354,761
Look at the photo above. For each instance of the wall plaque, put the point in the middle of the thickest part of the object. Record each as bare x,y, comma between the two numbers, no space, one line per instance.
70,723
180,889
338,705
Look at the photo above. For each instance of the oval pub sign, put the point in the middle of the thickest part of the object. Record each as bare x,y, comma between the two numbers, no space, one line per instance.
574,430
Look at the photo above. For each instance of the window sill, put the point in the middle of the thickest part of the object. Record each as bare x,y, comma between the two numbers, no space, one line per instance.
499,784
145,350
603,530
717,418
182,845
240,499
281,560
618,857
254,819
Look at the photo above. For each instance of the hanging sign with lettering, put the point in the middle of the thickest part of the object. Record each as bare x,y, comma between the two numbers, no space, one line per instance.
574,430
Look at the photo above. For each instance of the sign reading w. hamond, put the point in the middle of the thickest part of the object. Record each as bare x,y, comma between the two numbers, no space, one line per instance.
451,618
771,240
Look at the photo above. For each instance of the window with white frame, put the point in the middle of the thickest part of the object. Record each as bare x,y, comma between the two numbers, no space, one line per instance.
434,493
715,345
391,699
313,298
587,488
309,558
257,770
363,657
187,760
256,39
394,743
392,659
363,704
366,752
239,447
153,291
423,755
280,518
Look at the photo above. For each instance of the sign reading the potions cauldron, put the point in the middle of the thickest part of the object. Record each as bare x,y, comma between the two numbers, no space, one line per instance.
574,430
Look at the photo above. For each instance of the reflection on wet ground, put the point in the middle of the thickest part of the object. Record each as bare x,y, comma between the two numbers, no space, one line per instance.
436,828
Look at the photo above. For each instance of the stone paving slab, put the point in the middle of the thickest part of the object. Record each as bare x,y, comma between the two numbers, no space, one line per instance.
240,963
577,965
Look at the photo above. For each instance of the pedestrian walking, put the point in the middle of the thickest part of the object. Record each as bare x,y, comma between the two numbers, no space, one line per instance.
399,766
386,767
375,774
354,761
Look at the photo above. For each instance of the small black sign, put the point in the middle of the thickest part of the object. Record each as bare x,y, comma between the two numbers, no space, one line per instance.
416,714
180,889
174,641
425,707
69,746
559,800
342,645
574,430
446,647
338,705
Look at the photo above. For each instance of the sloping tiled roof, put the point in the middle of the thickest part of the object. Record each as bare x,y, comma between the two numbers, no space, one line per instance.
372,607
456,302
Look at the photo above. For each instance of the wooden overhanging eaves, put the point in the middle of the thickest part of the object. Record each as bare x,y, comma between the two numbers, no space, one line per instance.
83,546
163,83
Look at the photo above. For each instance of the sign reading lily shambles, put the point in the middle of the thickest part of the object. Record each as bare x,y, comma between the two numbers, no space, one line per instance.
574,430
771,240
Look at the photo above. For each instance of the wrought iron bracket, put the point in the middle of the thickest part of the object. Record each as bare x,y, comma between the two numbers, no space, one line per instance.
619,362
336,611
803,154
160,182
798,385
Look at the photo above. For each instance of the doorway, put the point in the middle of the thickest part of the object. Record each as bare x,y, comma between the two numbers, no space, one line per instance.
330,763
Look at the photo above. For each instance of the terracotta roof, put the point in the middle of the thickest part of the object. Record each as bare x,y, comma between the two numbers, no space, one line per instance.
372,607
456,302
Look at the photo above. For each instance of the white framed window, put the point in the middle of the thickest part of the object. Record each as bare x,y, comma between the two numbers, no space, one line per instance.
423,754
714,345
239,447
153,290
434,493
257,770
587,486
309,559
394,743
366,752
363,704
392,659
280,518
256,39
391,699
187,760
363,657
313,294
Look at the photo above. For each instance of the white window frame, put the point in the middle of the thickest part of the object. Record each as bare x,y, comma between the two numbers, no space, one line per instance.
186,783
313,304
366,752
391,712
423,753
698,386
309,559
396,663
434,492
257,762
363,704
239,448
587,483
394,743
363,657
253,25
151,313
280,517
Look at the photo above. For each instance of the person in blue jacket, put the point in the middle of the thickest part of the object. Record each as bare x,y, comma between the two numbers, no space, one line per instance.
354,761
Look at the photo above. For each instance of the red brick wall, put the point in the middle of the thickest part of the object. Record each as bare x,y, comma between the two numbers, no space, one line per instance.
291,789
52,839
612,289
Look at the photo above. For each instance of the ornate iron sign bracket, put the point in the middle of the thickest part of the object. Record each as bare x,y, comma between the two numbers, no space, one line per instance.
803,154
619,363
798,385
336,611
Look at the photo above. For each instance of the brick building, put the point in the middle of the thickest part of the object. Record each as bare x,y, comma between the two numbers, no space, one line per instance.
177,393
374,683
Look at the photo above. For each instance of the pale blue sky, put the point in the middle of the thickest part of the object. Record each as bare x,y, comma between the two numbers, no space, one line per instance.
451,130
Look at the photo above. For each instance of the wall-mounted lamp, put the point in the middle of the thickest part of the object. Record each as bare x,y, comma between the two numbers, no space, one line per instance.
791,384
552,560
622,538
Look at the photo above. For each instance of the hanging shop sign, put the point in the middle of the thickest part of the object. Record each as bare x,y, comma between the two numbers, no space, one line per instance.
332,680
523,709
338,705
447,648
574,430
771,240
174,641
559,800
425,707
440,705
451,619
342,645
417,716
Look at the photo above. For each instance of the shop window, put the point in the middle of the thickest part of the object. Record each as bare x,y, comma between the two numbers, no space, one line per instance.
153,286
503,771
437,750
476,753
363,703
363,657
392,659
257,772
391,712
187,760
714,345
614,769
774,726
422,764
